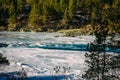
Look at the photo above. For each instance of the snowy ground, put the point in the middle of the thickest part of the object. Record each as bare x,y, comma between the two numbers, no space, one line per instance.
42,62
38,62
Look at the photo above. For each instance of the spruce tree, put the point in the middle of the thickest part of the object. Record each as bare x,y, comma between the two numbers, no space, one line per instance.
34,14
44,15
96,58
20,6
61,5
114,67
100,63
65,14
3,60
12,13
70,8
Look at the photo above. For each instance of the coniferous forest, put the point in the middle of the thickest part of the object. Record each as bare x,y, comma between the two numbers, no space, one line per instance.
54,15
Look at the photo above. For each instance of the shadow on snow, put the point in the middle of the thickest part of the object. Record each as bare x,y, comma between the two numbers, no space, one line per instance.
17,76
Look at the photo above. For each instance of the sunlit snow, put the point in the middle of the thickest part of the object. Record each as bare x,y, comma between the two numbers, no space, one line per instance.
41,62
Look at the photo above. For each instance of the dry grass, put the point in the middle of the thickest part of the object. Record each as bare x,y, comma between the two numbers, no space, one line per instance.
86,30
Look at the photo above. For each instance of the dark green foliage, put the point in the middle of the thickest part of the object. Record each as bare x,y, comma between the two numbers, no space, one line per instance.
3,60
100,63
24,14
97,63
114,67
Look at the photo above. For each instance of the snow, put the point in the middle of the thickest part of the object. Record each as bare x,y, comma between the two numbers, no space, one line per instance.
27,37
42,63
39,62
25,52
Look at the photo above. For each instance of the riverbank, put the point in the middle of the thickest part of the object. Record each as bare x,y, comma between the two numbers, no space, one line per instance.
86,30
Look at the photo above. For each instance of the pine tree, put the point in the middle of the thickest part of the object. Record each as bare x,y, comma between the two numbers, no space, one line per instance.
34,14
65,14
61,5
114,67
97,59
70,8
44,15
3,60
20,6
12,13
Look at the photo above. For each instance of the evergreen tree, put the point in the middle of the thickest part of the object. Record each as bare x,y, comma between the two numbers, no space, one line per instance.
44,15
65,14
12,13
3,60
114,67
47,10
70,8
61,5
34,14
97,59
20,6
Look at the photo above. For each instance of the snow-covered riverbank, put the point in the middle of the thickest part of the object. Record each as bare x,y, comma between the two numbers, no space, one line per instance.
39,62
24,51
